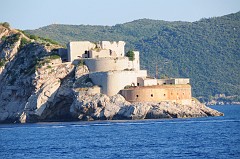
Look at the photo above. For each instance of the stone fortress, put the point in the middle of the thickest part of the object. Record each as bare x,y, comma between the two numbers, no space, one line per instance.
114,73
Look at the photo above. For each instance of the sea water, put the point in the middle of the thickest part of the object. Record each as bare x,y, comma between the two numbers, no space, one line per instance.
210,137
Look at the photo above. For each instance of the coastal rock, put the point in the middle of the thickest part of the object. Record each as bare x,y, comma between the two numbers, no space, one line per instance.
100,106
10,51
110,111
48,91
140,110
80,71
172,110
82,79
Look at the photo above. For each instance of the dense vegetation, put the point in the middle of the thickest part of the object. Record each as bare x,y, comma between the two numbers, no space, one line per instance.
39,39
207,51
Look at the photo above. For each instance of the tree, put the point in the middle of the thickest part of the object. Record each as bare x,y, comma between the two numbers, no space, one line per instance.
130,55
33,37
6,24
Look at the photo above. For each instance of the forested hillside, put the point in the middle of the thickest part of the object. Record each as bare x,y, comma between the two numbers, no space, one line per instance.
207,51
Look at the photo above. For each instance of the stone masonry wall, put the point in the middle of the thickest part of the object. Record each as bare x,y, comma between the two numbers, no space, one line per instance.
112,82
175,93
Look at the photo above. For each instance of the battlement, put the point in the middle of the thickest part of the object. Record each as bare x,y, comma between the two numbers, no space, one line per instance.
86,49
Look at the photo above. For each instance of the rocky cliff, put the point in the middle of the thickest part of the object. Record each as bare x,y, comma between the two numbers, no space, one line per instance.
35,85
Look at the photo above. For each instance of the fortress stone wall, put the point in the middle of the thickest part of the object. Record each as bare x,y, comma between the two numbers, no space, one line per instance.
77,49
176,93
145,81
101,53
86,49
116,47
106,64
173,81
111,63
113,81
136,62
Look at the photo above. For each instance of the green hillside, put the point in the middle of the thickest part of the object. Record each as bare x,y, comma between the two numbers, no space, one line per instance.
207,51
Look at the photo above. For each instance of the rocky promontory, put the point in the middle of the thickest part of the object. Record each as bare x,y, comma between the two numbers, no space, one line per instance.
36,86
102,107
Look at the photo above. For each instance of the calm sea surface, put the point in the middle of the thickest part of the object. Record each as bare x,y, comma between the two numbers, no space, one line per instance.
212,137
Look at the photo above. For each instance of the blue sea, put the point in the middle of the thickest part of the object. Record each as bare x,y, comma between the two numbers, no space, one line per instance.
208,138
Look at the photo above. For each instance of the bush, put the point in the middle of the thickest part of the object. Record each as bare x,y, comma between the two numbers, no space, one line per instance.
24,42
3,38
81,62
52,57
130,55
6,24
127,87
2,62
13,39
48,40
34,37
25,33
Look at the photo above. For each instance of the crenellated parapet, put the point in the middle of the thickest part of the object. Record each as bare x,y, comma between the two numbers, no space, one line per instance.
86,49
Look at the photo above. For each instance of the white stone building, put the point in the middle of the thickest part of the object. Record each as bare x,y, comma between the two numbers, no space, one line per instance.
112,71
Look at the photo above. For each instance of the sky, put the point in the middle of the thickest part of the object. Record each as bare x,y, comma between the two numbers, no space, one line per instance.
33,14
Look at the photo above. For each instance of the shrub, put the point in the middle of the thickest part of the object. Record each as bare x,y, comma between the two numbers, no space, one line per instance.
48,40
2,62
3,38
43,61
16,37
33,37
24,42
12,39
52,57
130,55
127,87
81,62
6,24
25,33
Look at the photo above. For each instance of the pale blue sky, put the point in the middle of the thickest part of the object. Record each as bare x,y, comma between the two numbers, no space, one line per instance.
32,14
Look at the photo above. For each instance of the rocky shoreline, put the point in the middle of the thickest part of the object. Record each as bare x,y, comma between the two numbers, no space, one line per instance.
90,107
102,107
